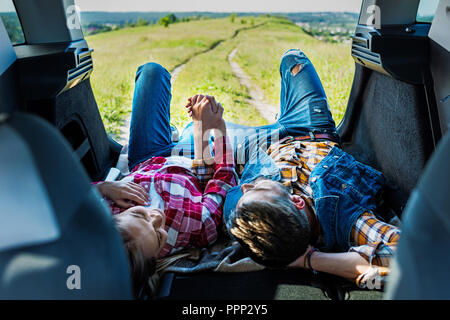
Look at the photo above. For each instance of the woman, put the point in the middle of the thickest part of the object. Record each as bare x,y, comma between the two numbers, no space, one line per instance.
168,203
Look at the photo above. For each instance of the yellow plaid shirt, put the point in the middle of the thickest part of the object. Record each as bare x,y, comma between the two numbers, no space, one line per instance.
373,239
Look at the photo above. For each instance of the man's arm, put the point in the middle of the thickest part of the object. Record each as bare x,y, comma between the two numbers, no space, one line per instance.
349,265
375,241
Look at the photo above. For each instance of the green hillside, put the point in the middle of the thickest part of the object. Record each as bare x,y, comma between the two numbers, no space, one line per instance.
203,47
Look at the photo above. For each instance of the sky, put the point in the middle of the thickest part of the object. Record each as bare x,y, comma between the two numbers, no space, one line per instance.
221,5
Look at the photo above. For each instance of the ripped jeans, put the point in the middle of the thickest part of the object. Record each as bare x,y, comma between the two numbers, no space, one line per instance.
304,110
303,103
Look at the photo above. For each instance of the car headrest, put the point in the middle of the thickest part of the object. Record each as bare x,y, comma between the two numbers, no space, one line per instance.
27,215
7,60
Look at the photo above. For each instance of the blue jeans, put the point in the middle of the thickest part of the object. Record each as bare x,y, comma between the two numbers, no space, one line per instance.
303,110
150,133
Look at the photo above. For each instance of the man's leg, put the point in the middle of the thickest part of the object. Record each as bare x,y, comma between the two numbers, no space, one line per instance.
303,109
245,141
185,147
304,105
150,134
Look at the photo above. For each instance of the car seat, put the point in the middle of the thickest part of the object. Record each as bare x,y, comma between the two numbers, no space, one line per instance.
57,239
420,269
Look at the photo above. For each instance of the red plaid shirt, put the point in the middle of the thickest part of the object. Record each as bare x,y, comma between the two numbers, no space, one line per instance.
193,194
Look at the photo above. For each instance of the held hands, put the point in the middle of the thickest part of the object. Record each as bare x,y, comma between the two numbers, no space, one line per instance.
207,115
206,110
123,193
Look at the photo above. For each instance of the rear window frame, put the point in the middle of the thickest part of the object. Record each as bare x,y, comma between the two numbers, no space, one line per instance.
14,17
426,19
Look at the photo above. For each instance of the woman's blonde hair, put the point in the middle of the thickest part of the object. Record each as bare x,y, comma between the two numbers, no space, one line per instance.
140,267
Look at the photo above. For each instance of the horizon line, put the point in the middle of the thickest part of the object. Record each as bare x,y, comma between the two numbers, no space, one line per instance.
345,11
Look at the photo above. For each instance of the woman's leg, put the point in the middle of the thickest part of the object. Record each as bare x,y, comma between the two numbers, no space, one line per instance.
303,102
150,133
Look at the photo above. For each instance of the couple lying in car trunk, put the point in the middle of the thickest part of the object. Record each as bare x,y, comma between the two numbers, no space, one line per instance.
300,201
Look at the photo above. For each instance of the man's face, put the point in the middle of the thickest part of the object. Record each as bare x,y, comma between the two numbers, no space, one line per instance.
263,189
146,227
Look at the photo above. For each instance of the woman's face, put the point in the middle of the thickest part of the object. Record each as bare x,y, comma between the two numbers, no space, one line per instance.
146,227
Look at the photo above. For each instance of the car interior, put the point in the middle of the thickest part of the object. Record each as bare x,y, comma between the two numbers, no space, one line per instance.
53,144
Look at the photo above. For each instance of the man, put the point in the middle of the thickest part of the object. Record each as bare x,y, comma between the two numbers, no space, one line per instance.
304,193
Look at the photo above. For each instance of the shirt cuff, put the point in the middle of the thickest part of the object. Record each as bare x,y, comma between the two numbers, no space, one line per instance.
377,253
203,171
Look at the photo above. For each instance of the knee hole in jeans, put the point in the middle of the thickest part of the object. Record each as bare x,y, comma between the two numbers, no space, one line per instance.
296,69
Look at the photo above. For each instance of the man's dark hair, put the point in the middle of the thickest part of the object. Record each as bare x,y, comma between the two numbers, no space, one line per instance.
273,232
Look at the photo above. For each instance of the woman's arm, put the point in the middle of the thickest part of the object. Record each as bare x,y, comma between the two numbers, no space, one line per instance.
207,115
196,108
203,204
123,193
201,143
202,208
213,196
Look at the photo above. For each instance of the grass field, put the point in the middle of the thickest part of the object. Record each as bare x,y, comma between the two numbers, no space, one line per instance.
260,45
118,54
260,51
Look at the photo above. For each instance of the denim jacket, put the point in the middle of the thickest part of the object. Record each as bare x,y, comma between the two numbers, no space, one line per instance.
343,189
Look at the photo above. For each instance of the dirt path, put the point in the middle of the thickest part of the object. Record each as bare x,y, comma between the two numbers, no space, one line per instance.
266,110
124,131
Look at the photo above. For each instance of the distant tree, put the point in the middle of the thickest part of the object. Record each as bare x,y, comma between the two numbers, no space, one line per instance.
232,17
142,22
172,18
168,19
252,21
164,22
13,27
130,24
243,21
